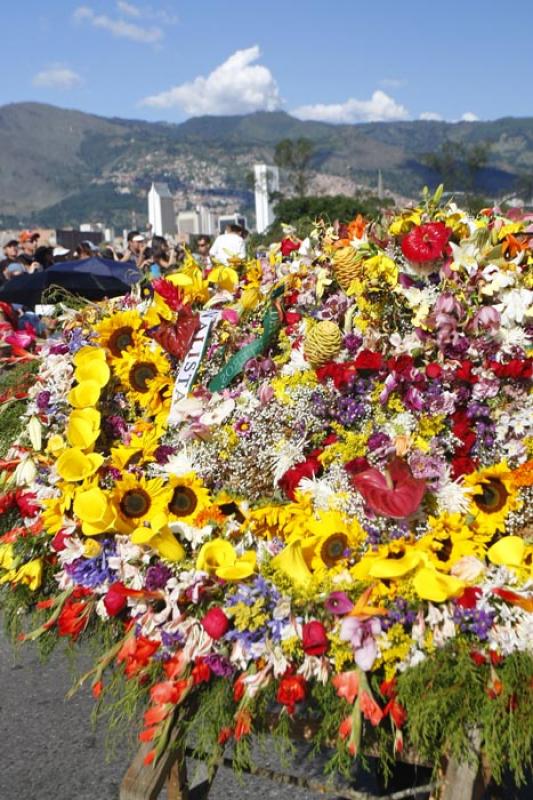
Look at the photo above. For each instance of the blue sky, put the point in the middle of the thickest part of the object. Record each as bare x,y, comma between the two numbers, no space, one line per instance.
337,61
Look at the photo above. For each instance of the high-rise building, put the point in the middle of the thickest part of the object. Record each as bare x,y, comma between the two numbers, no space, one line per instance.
161,210
200,221
266,182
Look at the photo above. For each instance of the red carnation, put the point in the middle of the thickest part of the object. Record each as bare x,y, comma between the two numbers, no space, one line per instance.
433,370
115,599
215,623
291,690
27,504
515,368
290,481
368,360
426,242
314,639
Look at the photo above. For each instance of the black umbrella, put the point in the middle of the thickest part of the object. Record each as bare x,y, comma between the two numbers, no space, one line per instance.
91,278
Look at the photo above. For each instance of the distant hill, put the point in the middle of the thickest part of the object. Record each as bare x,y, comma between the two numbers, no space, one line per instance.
59,166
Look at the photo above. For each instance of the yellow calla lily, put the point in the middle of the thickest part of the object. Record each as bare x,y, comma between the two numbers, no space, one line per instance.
224,277
291,561
429,584
214,554
84,394
508,552
74,465
168,546
95,511
395,567
30,574
236,572
83,427
88,354
95,370
145,533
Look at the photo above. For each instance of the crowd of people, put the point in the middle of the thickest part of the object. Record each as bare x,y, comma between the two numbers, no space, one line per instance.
153,256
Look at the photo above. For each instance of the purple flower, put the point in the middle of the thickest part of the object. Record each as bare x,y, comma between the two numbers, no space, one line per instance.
243,428
338,603
163,453
360,633
157,577
353,342
219,665
43,398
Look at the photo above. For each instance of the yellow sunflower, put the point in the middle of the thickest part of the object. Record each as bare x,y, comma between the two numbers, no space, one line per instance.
493,497
139,450
330,540
138,500
120,331
145,374
448,539
188,497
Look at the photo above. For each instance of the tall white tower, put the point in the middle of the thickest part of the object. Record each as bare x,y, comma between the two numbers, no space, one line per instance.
266,182
161,210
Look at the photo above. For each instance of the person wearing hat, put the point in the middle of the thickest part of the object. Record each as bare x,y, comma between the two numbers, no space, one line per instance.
135,246
28,242
60,254
14,269
87,249
11,250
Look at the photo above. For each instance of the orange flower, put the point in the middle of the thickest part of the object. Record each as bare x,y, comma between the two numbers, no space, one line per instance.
243,726
369,708
523,475
345,728
347,685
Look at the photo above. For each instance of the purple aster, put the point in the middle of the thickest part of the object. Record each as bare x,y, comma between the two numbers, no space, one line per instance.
157,577
353,342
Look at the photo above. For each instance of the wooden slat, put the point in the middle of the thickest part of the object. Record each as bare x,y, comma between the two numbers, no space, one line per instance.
145,782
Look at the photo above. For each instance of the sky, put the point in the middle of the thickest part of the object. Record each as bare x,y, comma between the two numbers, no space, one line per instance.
342,61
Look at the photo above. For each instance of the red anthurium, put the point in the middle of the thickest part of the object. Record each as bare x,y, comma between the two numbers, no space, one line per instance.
288,246
393,494
426,242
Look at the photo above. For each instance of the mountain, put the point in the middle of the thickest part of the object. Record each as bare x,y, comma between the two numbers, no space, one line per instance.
60,167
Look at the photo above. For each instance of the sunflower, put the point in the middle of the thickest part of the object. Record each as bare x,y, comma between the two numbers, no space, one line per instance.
119,331
493,497
138,500
188,497
139,450
448,539
145,374
331,541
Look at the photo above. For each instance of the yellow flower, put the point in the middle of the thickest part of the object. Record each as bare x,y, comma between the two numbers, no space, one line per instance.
91,548
224,277
292,563
74,465
95,511
493,497
188,497
86,393
119,331
332,540
7,560
219,557
55,444
91,365
145,374
507,552
160,538
449,539
83,427
30,574
138,501
432,585
140,449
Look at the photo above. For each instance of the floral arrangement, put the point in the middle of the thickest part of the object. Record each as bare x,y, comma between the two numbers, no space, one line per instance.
301,484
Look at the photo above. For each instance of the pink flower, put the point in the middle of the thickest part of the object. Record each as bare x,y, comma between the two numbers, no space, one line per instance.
393,494
360,633
486,319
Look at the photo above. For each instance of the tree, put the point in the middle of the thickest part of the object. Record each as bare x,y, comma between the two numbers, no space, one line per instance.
294,155
458,165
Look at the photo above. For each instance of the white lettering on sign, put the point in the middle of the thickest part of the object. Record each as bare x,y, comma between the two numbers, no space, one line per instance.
192,360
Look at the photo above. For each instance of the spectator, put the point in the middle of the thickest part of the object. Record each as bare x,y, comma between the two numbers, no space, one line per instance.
28,242
135,247
229,246
11,250
43,257
201,255
14,269
60,254
87,249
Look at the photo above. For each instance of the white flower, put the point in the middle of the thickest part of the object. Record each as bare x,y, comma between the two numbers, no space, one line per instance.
495,280
465,256
25,473
217,411
296,363
451,496
515,306
468,568
179,464
287,454
314,667
320,490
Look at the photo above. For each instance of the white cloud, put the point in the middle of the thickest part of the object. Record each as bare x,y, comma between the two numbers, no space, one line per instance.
431,116
468,116
129,9
237,86
118,27
57,76
393,83
380,108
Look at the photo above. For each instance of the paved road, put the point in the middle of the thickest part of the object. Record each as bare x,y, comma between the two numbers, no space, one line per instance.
48,750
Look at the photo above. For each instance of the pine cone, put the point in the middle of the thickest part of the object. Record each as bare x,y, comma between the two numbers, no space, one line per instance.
346,265
322,343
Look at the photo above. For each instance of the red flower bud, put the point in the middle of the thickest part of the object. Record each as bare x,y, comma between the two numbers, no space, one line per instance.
314,639
215,623
115,599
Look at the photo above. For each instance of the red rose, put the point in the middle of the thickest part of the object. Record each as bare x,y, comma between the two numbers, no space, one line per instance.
291,690
515,368
215,623
469,597
314,639
433,370
115,599
290,481
288,246
464,373
401,364
426,242
368,360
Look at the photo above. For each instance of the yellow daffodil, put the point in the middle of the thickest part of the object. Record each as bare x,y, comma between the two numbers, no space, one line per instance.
83,427
30,574
429,584
86,393
74,465
224,277
91,364
55,445
95,511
